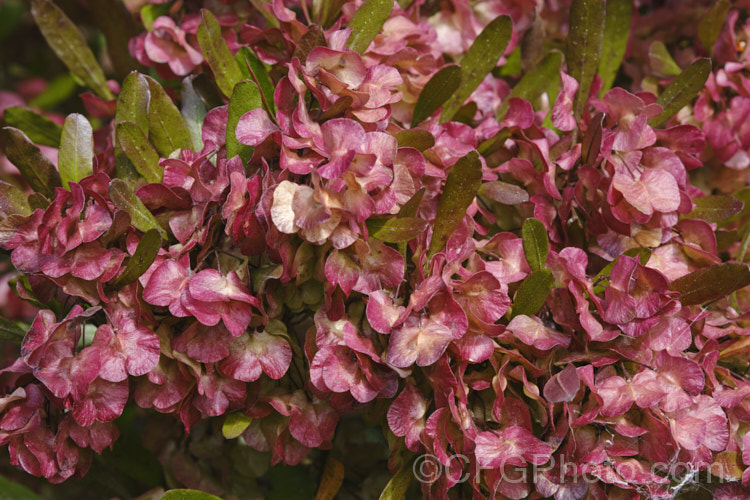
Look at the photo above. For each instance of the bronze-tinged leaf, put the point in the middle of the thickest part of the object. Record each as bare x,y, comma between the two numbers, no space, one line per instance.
68,43
167,130
76,157
502,192
615,40
460,189
313,38
139,151
711,283
409,209
711,24
415,138
193,111
584,46
533,293
245,97
342,104
253,69
480,59
682,90
124,198
13,201
727,465
235,424
435,92
133,101
144,256
38,171
592,140
535,243
396,230
534,82
38,128
715,208
216,51
367,22
331,480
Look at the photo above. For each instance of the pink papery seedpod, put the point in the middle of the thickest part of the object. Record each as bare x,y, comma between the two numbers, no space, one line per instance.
531,331
511,446
257,352
406,416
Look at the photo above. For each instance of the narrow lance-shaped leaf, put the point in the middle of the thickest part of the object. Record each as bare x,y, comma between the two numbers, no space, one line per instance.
167,129
535,243
139,151
534,82
584,46
70,46
38,171
193,111
716,208
682,90
435,92
331,479
188,495
76,157
615,40
415,138
10,331
245,97
133,101
533,293
11,490
38,128
124,198
711,283
397,230
367,22
661,60
253,68
711,24
216,51
13,201
460,189
592,140
144,256
235,424
480,59
399,483
502,192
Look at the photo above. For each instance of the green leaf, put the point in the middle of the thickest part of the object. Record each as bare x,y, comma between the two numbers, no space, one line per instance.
534,82
409,209
415,138
533,293
133,101
253,68
76,157
399,483
480,59
245,97
167,129
535,243
124,198
235,424
710,25
188,495
143,257
460,189
216,51
13,201
10,490
681,91
502,192
615,40
38,128
716,208
38,171
70,46
661,61
396,230
584,46
711,283
367,22
193,111
435,92
151,12
57,91
11,332
138,150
